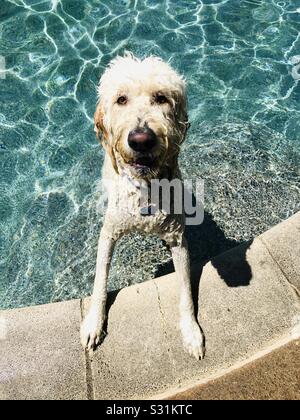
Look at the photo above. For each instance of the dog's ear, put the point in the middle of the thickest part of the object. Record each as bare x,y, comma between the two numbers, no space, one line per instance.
182,125
99,128
185,125
103,136
182,118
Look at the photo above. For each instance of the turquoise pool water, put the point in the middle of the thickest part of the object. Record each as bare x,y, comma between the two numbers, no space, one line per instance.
240,59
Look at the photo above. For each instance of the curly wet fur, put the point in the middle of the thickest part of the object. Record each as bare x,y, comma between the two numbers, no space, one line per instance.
140,81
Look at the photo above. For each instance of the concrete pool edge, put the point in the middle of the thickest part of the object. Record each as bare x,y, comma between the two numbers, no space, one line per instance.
249,305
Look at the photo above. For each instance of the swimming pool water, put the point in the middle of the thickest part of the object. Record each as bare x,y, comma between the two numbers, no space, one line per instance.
240,60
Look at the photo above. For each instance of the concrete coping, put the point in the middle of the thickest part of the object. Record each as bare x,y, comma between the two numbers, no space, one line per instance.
248,305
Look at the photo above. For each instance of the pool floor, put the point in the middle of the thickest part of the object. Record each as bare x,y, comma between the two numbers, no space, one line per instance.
240,59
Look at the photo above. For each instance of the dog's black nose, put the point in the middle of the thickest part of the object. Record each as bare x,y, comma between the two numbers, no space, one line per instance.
142,139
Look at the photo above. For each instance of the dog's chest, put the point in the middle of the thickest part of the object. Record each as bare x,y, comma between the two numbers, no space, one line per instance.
131,209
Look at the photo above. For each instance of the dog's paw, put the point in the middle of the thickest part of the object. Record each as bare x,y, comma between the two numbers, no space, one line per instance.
90,332
193,339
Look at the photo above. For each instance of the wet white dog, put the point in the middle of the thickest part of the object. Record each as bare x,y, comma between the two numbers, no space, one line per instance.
141,120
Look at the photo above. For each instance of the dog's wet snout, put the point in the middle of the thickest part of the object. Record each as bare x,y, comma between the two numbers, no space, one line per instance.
142,139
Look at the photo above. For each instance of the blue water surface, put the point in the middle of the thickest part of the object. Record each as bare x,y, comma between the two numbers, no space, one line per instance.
240,59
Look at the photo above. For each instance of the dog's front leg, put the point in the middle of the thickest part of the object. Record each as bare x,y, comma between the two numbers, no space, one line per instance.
193,338
92,325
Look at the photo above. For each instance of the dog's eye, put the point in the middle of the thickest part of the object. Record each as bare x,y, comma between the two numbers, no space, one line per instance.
122,100
161,99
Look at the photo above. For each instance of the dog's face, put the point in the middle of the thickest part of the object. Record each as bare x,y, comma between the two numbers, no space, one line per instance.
141,117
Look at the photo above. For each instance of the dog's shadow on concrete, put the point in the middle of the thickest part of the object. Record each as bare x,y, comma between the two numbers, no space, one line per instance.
206,242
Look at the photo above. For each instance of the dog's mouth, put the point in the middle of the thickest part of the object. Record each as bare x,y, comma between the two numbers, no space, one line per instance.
143,163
